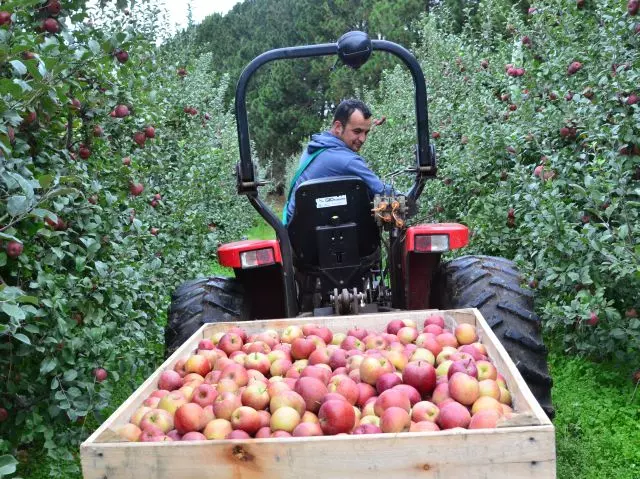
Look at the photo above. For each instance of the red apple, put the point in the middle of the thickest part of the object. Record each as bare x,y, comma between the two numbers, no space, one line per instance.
357,332
387,381
169,380
336,417
425,411
225,404
486,370
301,348
421,375
230,342
291,333
464,388
490,388
466,333
394,420
424,426
172,401
466,366
246,419
129,432
217,429
367,429
158,418
409,391
371,368
193,436
236,373
204,395
346,387
189,417
440,393
454,414
365,392
486,419
394,326
447,339
263,432
391,398
305,429
287,399
312,391
256,396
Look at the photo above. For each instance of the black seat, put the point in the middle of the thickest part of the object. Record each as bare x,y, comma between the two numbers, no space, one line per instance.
333,233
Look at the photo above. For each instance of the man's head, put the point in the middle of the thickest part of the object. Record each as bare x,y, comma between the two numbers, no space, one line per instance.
351,123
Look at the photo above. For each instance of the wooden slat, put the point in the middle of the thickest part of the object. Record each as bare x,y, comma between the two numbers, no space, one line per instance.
499,454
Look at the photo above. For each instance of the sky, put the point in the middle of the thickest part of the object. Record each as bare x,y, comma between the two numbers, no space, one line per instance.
200,8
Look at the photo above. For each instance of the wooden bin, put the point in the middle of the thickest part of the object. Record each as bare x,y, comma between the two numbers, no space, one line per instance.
523,448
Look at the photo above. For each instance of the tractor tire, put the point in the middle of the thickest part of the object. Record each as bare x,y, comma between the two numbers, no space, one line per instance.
204,300
493,286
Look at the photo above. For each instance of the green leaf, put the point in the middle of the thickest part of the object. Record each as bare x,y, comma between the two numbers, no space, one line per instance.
13,310
22,84
28,299
7,465
19,67
5,236
94,46
17,205
22,338
48,365
70,374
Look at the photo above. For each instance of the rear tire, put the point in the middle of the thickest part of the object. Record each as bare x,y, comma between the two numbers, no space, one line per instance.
200,301
493,286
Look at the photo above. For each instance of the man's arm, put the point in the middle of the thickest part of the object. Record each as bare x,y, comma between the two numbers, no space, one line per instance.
358,167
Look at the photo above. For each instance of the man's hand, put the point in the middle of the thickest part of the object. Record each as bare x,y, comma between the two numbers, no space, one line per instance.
380,121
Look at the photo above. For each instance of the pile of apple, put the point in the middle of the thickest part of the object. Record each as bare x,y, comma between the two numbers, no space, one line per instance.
309,381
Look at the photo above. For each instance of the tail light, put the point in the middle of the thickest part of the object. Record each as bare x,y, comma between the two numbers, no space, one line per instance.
257,257
431,243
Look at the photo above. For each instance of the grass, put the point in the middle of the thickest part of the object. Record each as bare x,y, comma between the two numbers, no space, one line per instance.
597,420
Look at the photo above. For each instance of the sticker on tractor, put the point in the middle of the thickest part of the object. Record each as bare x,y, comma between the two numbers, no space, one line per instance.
330,201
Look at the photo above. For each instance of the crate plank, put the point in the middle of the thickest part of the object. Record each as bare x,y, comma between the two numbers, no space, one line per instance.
500,454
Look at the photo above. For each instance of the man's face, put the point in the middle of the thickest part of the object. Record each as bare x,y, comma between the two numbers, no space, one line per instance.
355,132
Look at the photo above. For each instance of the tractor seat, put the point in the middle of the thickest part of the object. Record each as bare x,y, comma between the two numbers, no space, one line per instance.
332,226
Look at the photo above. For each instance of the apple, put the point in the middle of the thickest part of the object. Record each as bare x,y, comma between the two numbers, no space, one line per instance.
424,426
280,434
357,332
407,334
486,419
274,388
466,333
284,418
440,394
204,395
346,387
225,404
387,381
472,351
464,388
365,392
291,333
230,343
453,414
238,434
369,419
189,417
256,396
394,326
172,401
422,354
129,432
287,399
398,359
236,373
466,366
263,432
447,339
158,418
152,402
217,429
486,370
193,436
213,377
434,319
372,368
192,379
318,372
367,429
421,375
425,411
137,415
336,417
50,25
374,341
445,354
258,361
246,419
319,356
301,348
391,398
409,391
394,420
505,396
305,429
486,402
197,364
432,329
490,388
312,391
351,342
100,374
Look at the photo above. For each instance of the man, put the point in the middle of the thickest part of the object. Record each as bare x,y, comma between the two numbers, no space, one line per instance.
335,152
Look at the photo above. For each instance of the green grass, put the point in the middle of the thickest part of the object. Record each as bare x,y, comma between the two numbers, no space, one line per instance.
597,422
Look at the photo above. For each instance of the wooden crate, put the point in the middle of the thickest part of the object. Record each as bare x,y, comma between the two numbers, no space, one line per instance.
522,448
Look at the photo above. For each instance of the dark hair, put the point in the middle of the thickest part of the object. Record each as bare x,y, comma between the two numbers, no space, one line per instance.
346,108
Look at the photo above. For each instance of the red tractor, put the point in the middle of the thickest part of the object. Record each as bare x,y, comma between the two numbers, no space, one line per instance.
344,252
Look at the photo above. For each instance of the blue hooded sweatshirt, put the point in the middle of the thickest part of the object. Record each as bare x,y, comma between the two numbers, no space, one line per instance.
337,160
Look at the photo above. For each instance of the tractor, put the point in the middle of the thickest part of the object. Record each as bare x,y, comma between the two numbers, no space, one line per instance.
345,251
